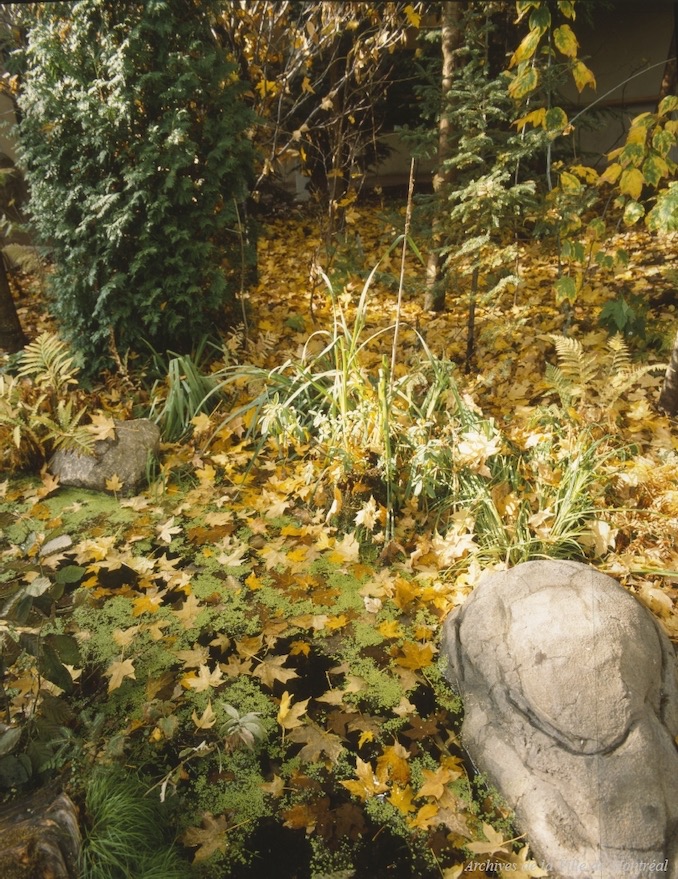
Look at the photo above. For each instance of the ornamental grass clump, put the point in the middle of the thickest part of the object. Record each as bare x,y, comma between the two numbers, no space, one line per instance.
125,834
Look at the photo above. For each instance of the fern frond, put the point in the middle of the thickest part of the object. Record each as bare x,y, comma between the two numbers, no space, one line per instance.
620,382
65,430
560,383
621,356
577,366
47,360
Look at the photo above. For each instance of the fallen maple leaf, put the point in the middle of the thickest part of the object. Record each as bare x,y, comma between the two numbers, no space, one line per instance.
401,798
415,656
435,782
204,679
392,764
201,423
102,427
210,838
194,657
275,787
425,818
316,741
167,530
271,670
206,720
496,844
345,550
519,866
188,613
288,714
114,484
302,816
234,554
124,637
149,602
366,784
367,515
117,671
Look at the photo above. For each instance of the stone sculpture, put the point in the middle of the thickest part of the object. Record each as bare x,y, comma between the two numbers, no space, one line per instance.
125,456
570,691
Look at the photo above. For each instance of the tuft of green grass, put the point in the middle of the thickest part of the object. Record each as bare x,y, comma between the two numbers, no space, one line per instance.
125,836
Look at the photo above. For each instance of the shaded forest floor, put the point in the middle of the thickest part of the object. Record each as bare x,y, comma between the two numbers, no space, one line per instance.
249,639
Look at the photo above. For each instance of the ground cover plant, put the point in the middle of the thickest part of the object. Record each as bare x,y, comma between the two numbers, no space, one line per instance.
256,639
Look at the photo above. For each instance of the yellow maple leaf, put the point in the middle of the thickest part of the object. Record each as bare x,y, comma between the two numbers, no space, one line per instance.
201,423
114,484
271,670
94,550
289,715
206,720
390,629
167,530
496,844
267,87
413,17
415,656
188,613
435,781
367,736
401,798
102,427
345,550
150,602
123,637
367,515
203,680
206,475
425,818
392,764
117,671
366,784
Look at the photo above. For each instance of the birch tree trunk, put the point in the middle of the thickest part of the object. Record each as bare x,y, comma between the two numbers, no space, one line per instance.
451,14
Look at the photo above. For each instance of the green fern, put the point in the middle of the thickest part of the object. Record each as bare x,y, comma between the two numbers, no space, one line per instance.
64,431
38,411
48,362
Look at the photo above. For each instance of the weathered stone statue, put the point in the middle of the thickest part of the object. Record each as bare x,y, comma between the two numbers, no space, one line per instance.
570,692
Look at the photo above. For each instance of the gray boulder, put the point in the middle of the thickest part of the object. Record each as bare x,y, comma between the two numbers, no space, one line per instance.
570,691
126,456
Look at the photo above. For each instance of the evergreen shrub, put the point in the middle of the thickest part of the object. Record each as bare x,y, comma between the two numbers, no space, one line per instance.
135,144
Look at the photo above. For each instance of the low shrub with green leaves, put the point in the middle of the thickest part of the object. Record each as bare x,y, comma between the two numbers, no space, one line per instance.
134,142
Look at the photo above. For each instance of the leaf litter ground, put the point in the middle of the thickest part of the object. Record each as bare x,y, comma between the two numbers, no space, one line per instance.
245,640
